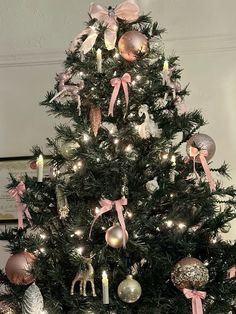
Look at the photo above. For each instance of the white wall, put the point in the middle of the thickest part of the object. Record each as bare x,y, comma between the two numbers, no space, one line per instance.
35,34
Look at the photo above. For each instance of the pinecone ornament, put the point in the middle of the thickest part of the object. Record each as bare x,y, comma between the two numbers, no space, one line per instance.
95,117
33,300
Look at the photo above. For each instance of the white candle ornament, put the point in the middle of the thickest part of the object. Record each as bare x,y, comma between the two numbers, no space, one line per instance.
39,164
105,288
99,61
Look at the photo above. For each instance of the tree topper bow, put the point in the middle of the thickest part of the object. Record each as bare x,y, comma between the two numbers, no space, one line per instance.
128,11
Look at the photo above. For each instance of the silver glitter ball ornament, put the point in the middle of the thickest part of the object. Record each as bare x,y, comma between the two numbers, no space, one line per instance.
189,273
69,149
129,290
114,236
201,142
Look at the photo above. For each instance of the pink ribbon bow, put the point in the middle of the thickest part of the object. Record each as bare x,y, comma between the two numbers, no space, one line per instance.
106,207
128,10
202,154
116,83
231,272
196,297
21,208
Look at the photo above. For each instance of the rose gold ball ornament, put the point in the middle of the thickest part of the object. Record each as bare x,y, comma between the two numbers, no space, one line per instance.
114,236
189,273
202,142
129,290
18,268
132,44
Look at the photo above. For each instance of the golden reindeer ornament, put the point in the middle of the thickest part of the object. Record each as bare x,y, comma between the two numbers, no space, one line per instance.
84,276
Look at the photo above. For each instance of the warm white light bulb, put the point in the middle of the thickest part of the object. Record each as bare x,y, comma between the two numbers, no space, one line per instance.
78,232
117,55
79,250
181,225
96,210
116,141
86,138
42,250
133,82
129,214
214,241
169,223
128,148
165,156
138,77
43,236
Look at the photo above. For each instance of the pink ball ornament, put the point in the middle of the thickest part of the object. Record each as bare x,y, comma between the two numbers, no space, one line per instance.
131,44
18,268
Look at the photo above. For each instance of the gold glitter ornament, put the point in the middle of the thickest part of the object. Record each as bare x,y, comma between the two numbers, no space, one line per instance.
189,273
129,290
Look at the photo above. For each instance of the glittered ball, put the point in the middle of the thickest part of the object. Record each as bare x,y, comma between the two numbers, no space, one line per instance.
69,150
129,290
18,268
202,142
132,44
189,273
114,237
33,164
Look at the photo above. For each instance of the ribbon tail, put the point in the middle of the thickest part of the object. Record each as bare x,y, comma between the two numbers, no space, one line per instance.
89,42
113,98
126,92
197,305
194,169
79,105
208,173
110,36
102,211
119,209
20,215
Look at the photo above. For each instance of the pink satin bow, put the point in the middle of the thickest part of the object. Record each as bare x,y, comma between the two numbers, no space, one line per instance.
106,207
21,208
128,10
231,272
196,297
201,154
116,83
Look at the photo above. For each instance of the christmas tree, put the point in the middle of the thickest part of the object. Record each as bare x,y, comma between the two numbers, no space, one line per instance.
124,223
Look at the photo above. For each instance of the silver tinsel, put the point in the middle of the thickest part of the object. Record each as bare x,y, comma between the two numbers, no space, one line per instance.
33,301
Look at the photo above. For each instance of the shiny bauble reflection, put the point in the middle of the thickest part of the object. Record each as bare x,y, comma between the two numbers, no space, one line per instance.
129,290
114,236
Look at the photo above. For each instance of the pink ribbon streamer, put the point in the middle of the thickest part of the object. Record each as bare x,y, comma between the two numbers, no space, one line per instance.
231,272
21,208
106,207
202,154
196,297
116,83
128,10
89,42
